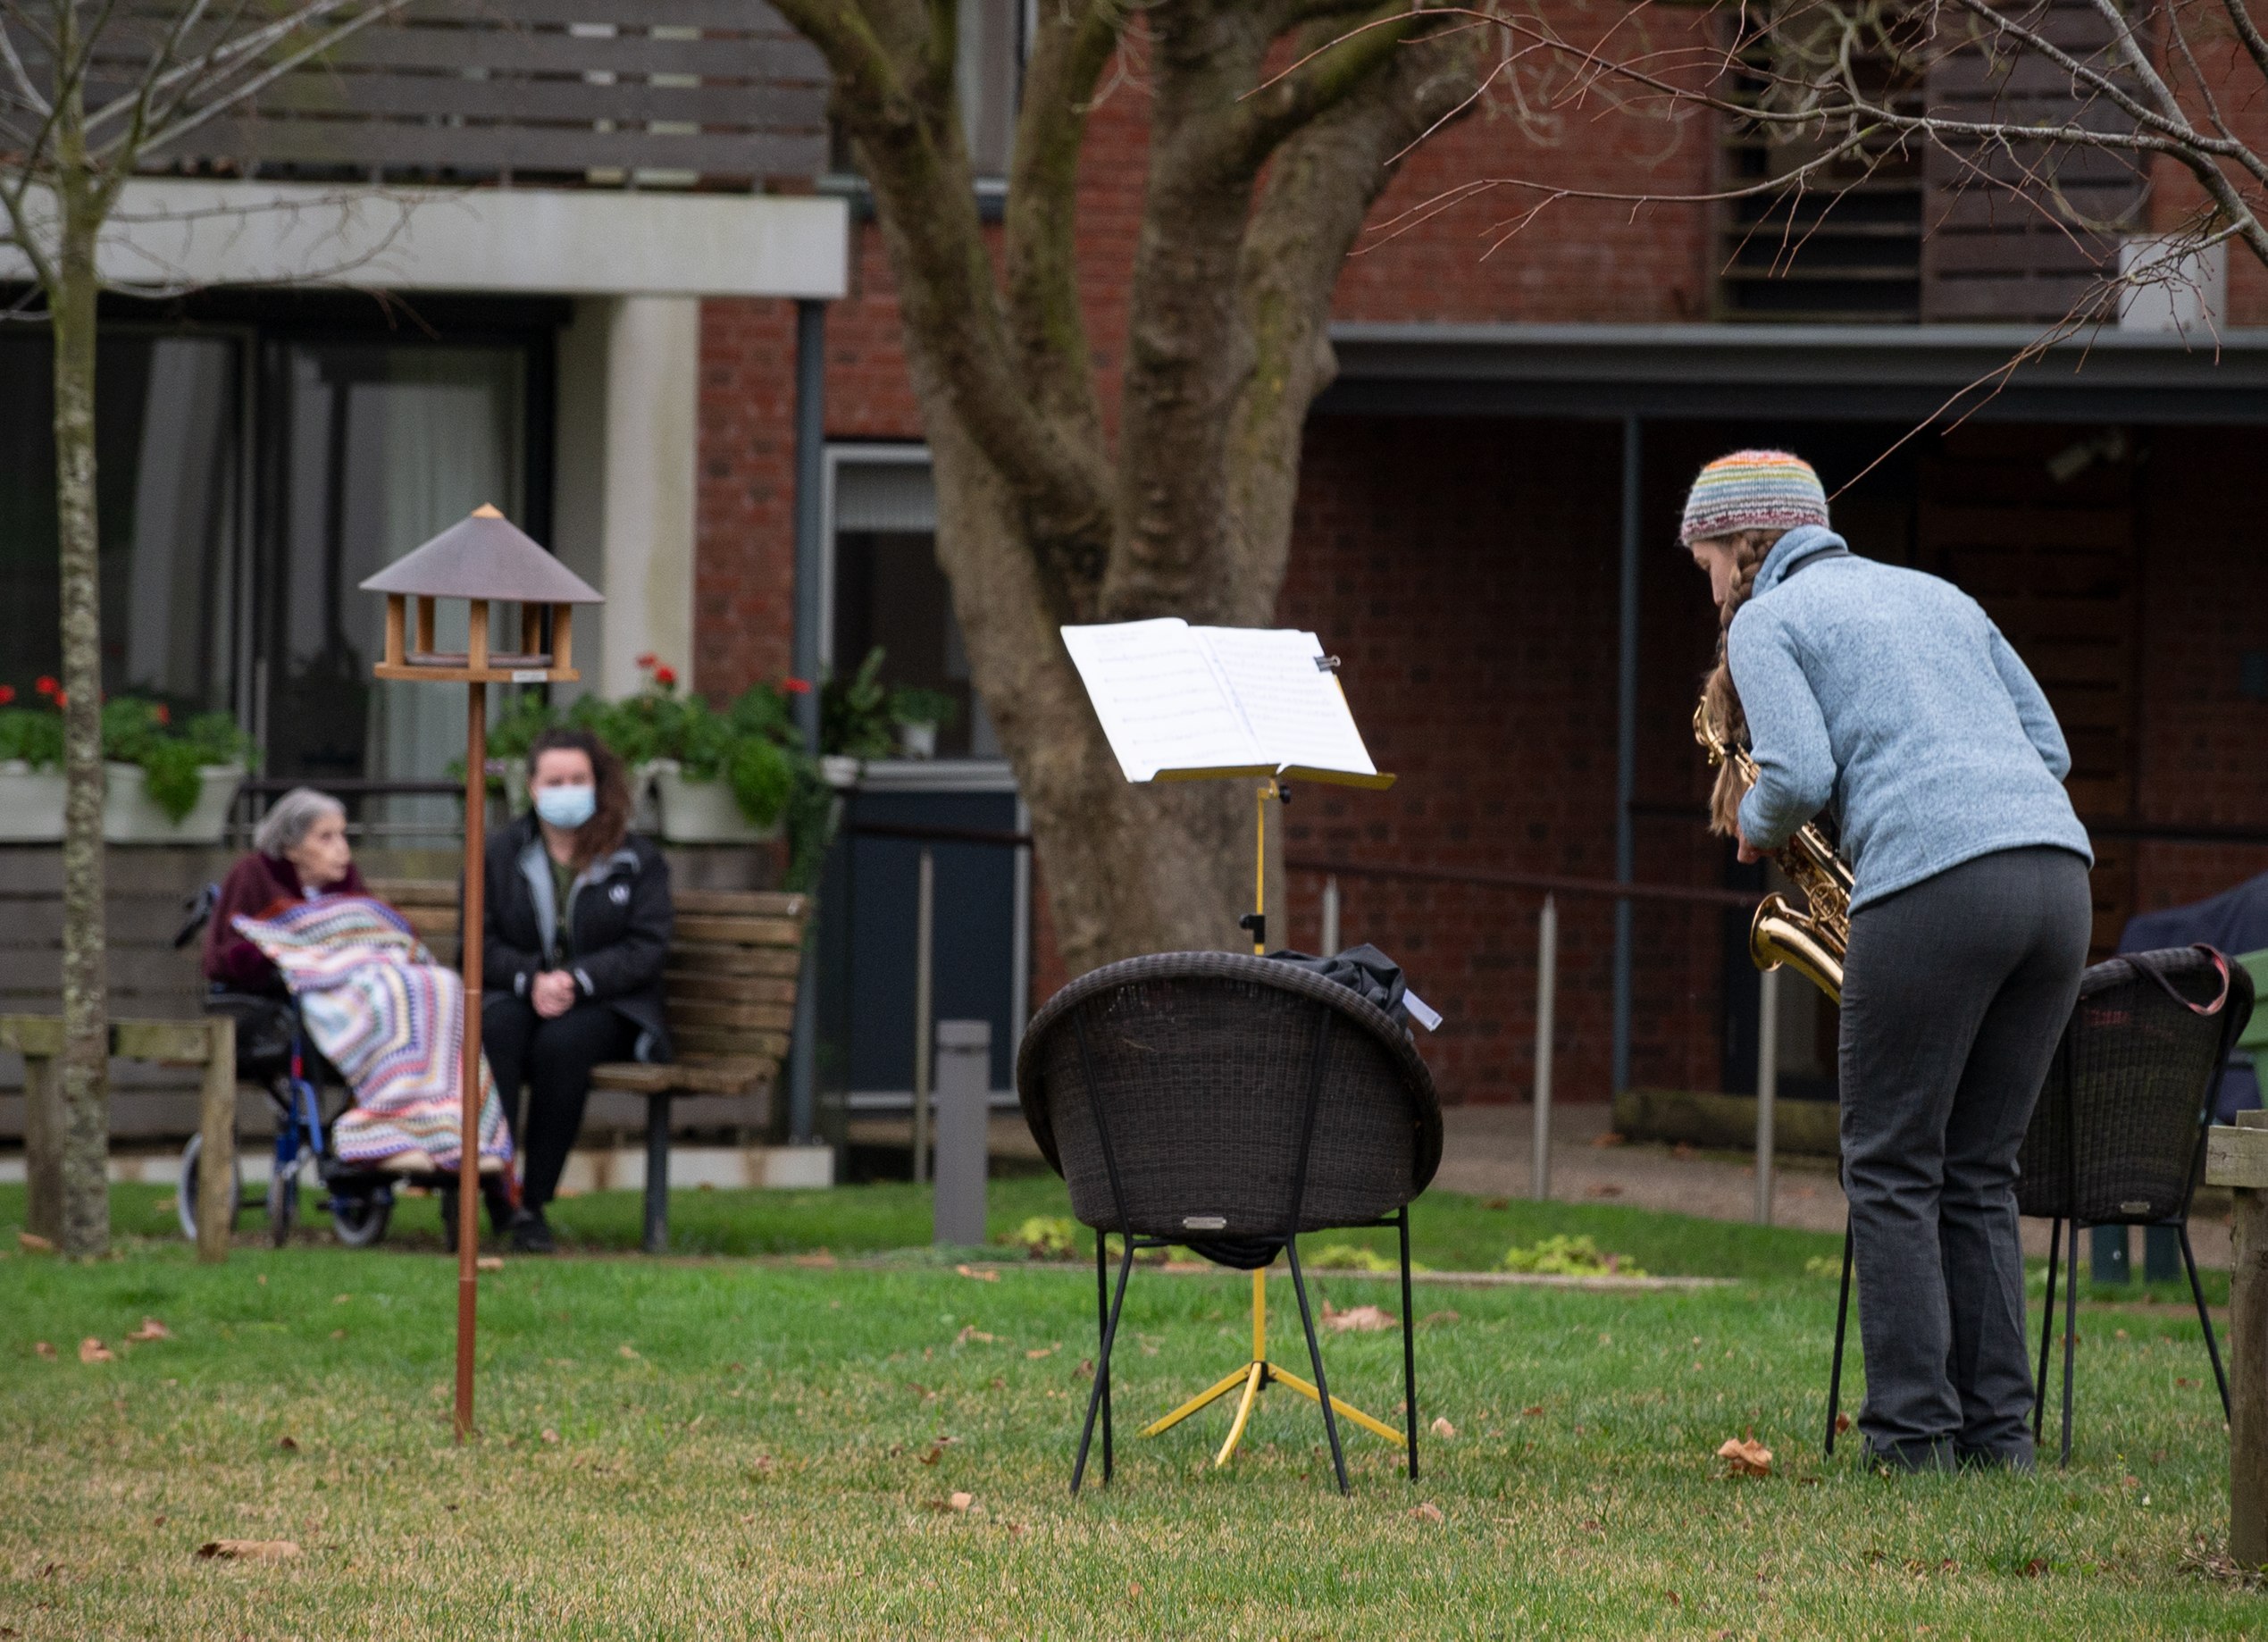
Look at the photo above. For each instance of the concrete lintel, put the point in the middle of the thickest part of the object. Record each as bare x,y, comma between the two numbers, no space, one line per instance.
182,233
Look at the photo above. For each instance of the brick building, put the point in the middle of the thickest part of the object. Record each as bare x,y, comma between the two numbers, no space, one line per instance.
1487,499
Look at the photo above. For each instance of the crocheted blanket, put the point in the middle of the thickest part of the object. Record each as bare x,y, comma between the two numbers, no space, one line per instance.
389,1018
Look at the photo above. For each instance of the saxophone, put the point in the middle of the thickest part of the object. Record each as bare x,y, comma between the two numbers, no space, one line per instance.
1813,942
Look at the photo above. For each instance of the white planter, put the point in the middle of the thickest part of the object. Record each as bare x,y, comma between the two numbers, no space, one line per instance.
840,770
31,803
132,816
918,740
704,812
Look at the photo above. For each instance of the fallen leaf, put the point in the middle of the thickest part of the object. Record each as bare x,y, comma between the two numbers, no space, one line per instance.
1359,1319
764,1465
290,1444
1747,1457
1602,1188
2035,1567
2118,1334
1842,1424
1672,1596
340,1299
43,1349
1495,1202
32,1245
1085,1371
628,1350
338,1333
261,1279
250,1550
1045,1350
550,1436
955,1502
972,1332
151,1330
1427,1511
933,1456
1134,1587
489,1262
2185,1382
92,1350
1442,1427
1531,1410
982,1277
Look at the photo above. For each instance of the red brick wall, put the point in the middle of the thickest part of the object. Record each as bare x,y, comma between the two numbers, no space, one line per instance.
744,553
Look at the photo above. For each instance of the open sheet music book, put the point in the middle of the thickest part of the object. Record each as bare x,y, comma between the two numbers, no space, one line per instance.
1183,703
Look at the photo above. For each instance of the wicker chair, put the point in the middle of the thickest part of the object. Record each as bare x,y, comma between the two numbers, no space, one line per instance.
2118,1137
2135,1079
1224,1102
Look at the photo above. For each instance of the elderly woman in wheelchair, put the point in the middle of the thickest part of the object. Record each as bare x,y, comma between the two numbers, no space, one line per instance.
329,985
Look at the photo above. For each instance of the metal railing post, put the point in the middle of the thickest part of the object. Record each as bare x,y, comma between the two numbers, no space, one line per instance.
1767,1087
925,916
1330,946
1547,987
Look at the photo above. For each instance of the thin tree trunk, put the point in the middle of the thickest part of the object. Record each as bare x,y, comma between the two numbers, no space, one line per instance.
84,1070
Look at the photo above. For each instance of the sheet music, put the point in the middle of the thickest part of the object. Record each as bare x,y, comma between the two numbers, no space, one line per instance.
1181,702
1161,699
1297,714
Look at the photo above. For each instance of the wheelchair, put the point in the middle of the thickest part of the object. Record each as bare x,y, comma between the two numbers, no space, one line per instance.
272,1051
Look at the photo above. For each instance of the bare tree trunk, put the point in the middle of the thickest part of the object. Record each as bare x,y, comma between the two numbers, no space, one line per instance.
84,1070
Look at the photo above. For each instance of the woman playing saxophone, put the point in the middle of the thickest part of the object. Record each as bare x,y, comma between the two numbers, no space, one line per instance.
1888,697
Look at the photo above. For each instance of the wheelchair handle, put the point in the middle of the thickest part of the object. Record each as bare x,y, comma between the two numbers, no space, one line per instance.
200,908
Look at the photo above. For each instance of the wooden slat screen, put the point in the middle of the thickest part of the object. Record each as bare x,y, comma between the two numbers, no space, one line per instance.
713,92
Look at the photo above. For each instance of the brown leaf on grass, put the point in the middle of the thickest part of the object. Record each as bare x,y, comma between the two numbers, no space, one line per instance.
1672,1596
338,1333
1747,1457
488,1263
972,1332
763,1465
1442,1427
1427,1511
1134,1587
92,1350
981,1275
33,1244
628,1350
249,1550
1359,1319
2185,1382
1085,1371
1531,1410
1842,1424
340,1299
287,1443
2035,1567
936,1452
43,1349
550,1436
951,1502
1045,1350
151,1330
1602,1188
1495,1202
1607,1139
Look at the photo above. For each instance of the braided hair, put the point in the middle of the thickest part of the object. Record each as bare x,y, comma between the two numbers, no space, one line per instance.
1724,709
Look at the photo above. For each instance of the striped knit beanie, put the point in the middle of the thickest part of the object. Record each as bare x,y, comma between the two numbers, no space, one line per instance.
1753,491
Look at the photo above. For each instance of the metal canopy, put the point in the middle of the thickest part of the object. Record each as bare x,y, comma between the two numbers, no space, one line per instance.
484,556
1839,372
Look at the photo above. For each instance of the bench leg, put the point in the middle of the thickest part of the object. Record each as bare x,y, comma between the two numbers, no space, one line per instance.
657,1174
43,1150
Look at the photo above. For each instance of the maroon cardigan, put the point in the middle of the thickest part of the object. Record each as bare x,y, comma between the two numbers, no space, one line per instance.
254,884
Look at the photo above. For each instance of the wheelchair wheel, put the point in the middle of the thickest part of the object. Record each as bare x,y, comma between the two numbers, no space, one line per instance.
185,1204
361,1222
283,1205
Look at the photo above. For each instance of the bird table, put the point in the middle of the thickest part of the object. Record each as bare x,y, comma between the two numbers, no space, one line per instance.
2237,1157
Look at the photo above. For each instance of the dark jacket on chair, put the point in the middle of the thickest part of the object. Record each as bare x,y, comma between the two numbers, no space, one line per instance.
255,886
618,913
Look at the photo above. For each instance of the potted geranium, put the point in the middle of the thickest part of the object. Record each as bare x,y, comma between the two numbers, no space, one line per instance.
32,774
920,714
168,784
719,777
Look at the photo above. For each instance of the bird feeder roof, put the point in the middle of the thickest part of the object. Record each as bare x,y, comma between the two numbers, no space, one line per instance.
484,556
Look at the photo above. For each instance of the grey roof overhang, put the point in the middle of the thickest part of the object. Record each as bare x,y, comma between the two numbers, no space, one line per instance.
1844,373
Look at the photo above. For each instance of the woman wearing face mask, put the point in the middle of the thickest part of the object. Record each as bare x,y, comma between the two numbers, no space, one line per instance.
577,926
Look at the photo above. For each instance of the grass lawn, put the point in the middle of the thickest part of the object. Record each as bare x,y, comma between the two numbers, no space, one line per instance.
727,1447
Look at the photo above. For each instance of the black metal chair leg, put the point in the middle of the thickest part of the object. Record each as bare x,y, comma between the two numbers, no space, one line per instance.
2070,1340
1102,1369
1315,1356
2204,1320
2048,1326
657,1174
1842,1320
1408,1347
1101,1325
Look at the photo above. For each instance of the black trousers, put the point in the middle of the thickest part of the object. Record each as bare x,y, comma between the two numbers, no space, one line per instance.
1954,992
555,1058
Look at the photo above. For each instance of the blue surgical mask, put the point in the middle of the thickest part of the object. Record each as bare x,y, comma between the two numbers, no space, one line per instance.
565,807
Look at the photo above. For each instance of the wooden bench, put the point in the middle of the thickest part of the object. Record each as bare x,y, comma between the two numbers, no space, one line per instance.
729,995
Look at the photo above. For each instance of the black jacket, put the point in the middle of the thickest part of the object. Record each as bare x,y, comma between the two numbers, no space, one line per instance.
621,921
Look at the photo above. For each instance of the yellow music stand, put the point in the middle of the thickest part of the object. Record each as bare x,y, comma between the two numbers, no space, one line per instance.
1260,1371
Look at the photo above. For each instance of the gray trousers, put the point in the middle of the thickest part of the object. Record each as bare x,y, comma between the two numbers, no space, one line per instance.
1955,994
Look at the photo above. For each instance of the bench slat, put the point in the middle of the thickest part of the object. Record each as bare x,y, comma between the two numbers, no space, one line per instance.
762,1017
741,1075
741,903
719,957
741,931
734,1041
403,893
728,988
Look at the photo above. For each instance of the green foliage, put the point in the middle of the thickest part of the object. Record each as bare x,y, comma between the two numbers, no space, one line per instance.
138,731
917,706
855,717
1353,1257
752,744
1565,1256
1046,1236
33,734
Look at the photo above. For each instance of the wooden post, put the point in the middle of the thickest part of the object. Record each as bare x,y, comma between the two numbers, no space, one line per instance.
216,1157
469,942
2238,1157
43,1151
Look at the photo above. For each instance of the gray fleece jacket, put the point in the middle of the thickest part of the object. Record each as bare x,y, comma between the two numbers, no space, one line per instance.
1890,696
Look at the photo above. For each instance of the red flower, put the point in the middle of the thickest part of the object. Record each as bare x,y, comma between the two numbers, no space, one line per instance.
165,714
646,660
7,694
665,676
796,686
63,697
45,686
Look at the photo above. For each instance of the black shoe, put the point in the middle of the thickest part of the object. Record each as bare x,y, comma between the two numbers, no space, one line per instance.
502,1213
529,1234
